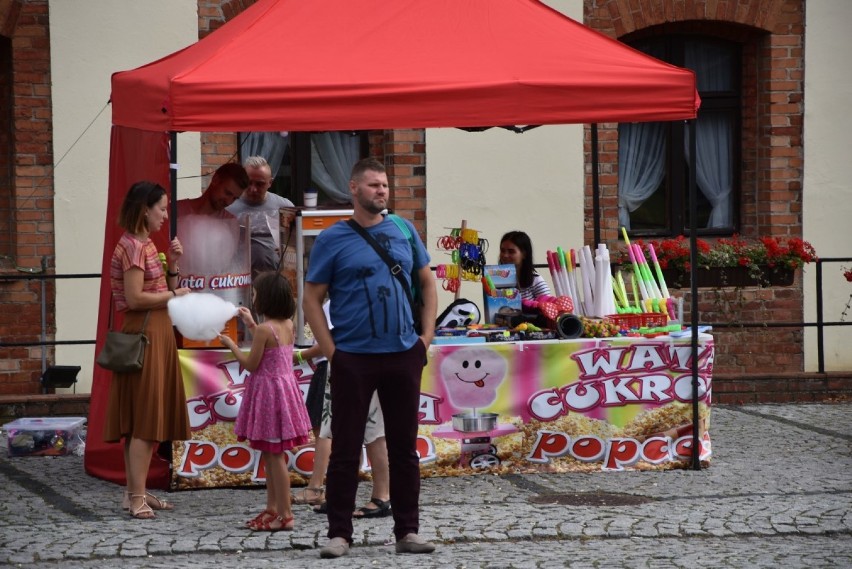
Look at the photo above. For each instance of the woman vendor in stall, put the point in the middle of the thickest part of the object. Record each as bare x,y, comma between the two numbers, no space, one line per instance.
516,249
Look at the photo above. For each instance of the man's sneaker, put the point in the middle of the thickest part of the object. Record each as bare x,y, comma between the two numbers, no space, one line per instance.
337,547
413,543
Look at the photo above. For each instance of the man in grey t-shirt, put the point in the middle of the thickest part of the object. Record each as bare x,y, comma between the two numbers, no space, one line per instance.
262,208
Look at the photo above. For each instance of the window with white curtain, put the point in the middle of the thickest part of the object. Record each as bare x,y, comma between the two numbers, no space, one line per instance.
653,158
301,160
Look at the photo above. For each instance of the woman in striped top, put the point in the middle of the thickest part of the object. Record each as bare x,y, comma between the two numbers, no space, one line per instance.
516,249
145,407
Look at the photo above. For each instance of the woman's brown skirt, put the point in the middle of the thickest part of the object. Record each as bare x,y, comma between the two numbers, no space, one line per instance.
149,404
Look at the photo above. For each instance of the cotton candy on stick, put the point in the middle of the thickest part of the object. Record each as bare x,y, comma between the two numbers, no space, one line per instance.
200,315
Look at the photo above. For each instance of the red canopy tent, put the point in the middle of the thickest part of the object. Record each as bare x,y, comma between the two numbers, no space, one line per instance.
368,64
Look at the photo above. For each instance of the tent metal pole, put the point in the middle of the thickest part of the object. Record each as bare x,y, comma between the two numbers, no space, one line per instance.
693,288
173,183
596,189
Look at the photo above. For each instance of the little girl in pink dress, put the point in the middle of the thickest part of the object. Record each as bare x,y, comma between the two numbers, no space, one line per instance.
272,416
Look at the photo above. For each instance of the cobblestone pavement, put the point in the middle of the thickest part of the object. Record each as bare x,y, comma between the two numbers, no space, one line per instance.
778,493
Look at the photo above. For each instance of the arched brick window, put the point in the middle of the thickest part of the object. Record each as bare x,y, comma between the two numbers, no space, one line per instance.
652,157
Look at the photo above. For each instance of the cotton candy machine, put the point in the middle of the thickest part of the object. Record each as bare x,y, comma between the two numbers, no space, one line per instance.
474,422
475,431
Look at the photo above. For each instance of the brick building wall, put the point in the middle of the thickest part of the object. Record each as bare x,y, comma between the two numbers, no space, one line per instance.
771,33
26,190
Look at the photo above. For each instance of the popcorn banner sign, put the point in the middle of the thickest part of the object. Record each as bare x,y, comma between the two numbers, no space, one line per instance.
567,406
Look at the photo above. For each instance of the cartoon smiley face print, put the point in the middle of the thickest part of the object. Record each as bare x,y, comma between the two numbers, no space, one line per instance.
472,375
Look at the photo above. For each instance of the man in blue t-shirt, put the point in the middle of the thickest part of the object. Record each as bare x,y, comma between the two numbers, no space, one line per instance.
373,347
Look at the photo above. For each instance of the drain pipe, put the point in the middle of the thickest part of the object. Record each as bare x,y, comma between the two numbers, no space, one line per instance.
43,316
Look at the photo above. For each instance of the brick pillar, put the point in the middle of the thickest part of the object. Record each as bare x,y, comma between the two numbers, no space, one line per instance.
26,190
404,153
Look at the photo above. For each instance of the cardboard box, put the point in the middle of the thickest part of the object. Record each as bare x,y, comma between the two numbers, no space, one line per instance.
44,436
509,303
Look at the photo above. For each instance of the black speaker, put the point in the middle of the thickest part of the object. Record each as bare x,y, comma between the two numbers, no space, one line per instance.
59,376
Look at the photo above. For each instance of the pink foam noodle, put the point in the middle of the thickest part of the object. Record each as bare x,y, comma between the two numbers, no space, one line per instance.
664,290
630,254
653,253
555,275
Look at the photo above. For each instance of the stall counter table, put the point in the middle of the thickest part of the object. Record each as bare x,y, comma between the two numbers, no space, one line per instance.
559,406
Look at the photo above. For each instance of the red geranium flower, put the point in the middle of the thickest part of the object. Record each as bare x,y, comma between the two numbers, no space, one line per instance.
787,253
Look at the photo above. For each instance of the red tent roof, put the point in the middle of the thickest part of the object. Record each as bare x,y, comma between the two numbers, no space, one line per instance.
372,64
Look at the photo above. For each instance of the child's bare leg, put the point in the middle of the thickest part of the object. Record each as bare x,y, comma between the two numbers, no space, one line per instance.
279,490
377,452
270,482
314,492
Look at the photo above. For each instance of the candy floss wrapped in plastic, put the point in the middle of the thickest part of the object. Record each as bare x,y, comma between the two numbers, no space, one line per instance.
216,260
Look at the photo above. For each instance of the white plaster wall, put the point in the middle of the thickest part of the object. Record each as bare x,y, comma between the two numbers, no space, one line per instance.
828,172
90,40
500,181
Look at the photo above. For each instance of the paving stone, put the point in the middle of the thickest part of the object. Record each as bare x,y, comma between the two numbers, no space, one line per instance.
777,493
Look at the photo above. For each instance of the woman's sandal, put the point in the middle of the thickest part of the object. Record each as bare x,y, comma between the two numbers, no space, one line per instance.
382,509
264,516
284,524
144,511
302,497
321,508
156,504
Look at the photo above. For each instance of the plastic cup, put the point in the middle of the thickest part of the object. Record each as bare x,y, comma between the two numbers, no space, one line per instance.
311,197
